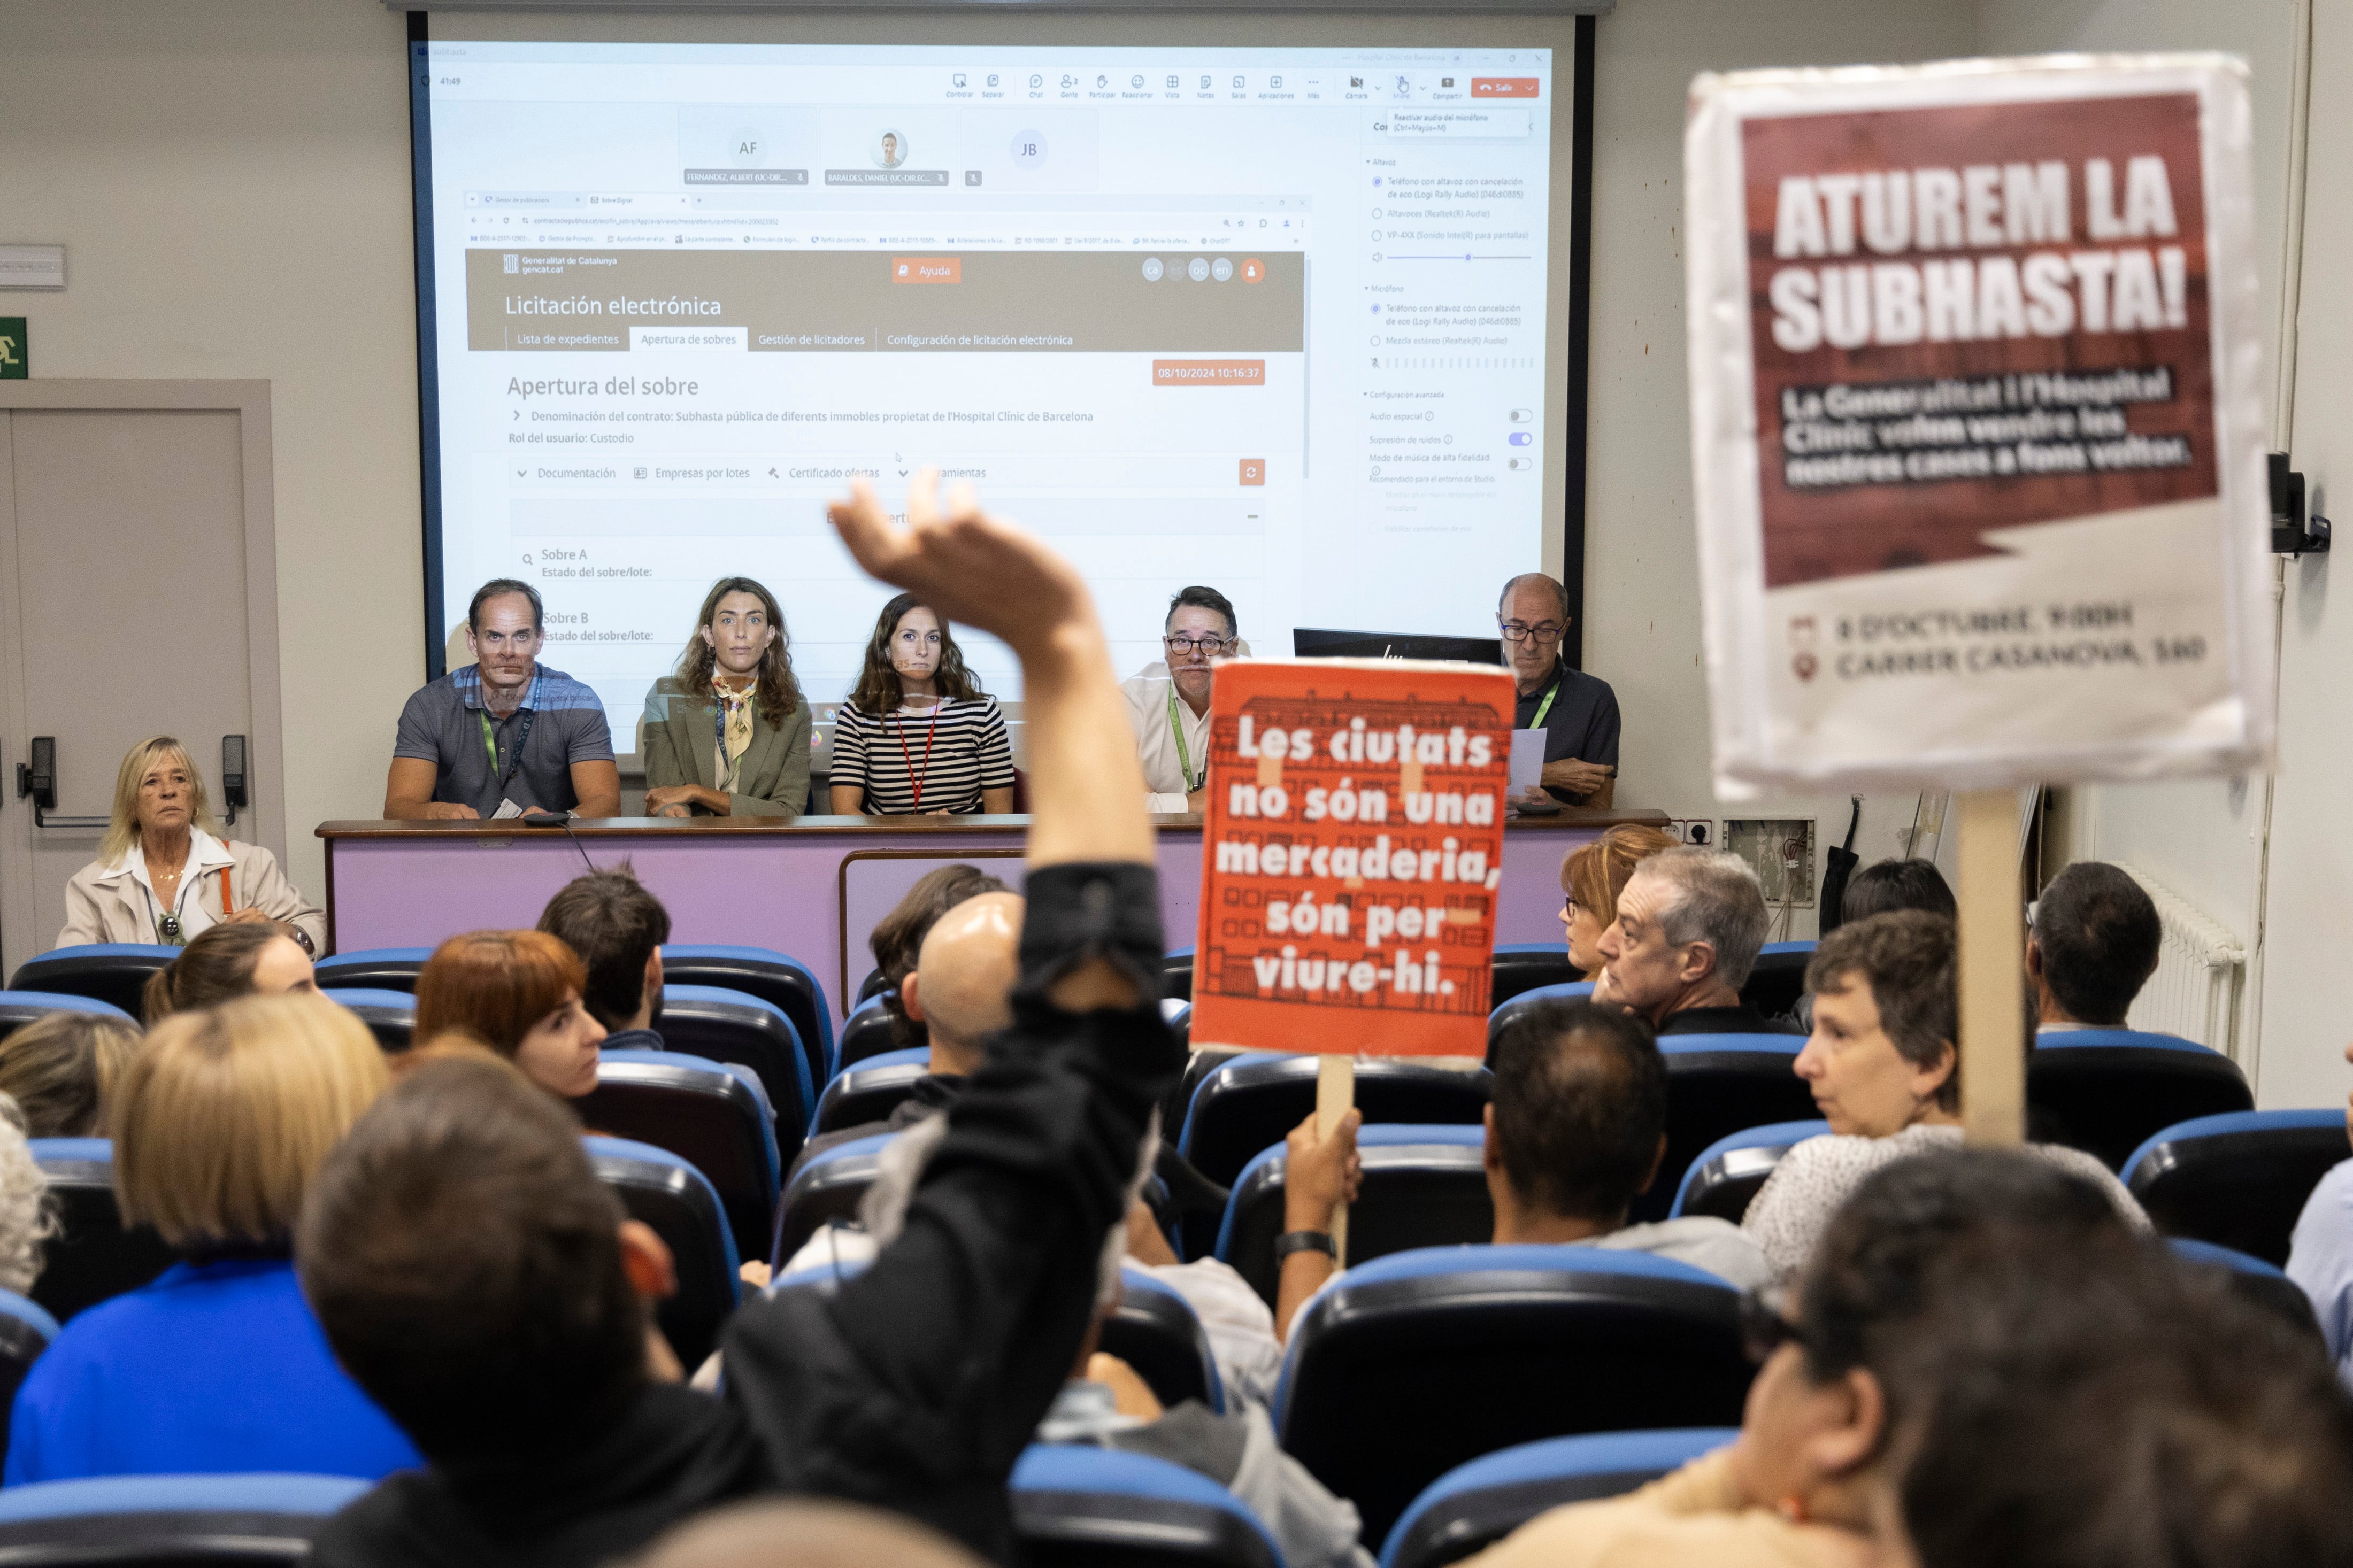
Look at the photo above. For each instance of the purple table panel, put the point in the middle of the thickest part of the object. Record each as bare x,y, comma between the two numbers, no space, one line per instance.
813,890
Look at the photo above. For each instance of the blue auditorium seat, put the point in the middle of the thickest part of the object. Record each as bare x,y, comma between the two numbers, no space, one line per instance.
2255,1279
827,1187
1474,1506
113,971
2238,1181
773,977
1505,1012
724,1026
2106,1091
1252,1101
1718,1085
1425,1185
663,1191
1726,1176
1410,1365
1176,1012
1520,967
374,968
18,1008
871,1091
866,1034
170,1521
91,1258
1778,978
25,1331
1077,1507
873,985
710,1115
390,1016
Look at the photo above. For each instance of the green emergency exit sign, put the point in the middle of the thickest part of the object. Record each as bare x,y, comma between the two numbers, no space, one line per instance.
16,357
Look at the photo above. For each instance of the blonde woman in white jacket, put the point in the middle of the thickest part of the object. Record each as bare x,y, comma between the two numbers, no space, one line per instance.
163,873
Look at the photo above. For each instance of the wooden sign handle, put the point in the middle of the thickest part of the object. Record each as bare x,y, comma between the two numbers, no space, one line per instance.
1336,1095
1992,962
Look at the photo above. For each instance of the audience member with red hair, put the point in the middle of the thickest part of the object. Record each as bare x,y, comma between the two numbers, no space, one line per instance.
518,992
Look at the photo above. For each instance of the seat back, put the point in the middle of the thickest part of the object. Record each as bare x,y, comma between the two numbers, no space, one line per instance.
2255,1279
871,1091
1778,978
1103,1508
93,1257
866,1034
18,1008
1472,1506
1157,1332
1520,967
723,1026
1505,1012
873,985
1424,1186
782,981
373,969
710,1114
826,1188
1176,974
2238,1181
390,1016
1718,1085
1408,1366
1254,1101
115,973
665,1192
25,1331
1724,1177
2106,1091
170,1521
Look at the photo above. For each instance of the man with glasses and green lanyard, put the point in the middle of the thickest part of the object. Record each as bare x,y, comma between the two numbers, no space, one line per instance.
1168,702
505,734
1577,712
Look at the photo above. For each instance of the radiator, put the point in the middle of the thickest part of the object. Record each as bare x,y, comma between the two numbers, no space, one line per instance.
2201,969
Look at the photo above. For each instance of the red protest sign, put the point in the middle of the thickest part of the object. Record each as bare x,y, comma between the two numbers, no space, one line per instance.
1350,856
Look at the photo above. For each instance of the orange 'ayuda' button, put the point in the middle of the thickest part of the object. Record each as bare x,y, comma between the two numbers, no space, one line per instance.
926,269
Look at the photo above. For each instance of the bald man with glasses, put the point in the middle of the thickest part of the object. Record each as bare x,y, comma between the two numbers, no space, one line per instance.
1577,712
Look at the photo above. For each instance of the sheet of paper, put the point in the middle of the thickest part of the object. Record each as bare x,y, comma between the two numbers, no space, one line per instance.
1527,758
506,808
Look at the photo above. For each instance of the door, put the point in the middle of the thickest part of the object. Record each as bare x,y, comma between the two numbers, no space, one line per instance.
139,601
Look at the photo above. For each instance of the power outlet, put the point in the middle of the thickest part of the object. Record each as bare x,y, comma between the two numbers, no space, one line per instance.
1697,831
1781,853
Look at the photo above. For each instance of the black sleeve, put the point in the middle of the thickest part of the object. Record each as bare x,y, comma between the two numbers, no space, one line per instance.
919,1383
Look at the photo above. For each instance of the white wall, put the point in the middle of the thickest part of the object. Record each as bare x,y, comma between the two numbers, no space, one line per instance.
231,181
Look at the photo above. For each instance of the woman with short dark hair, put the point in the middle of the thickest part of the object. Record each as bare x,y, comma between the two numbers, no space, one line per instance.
918,736
1886,1076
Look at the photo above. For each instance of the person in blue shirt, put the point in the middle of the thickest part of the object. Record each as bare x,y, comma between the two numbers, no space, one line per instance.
217,1366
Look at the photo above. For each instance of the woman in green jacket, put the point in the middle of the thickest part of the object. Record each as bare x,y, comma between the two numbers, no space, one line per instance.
728,734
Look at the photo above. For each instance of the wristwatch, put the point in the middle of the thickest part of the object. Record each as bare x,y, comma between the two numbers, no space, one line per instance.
1292,1241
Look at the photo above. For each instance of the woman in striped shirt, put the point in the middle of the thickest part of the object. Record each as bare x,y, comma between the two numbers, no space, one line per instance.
919,737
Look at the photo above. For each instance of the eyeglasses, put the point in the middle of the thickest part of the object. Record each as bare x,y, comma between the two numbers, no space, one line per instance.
1547,633
1212,647
1762,1328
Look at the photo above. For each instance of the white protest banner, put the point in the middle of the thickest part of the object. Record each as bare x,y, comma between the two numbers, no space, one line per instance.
1977,422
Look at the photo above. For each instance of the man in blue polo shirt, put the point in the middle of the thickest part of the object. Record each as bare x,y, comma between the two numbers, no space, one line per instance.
505,734
1577,712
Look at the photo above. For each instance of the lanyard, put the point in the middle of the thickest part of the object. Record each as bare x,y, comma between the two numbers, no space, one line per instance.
1183,757
177,936
909,757
490,744
1544,707
734,764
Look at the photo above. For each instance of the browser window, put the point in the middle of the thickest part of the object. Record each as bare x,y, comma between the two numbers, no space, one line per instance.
1271,321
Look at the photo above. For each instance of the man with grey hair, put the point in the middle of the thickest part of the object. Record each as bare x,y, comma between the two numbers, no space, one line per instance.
1688,930
1577,712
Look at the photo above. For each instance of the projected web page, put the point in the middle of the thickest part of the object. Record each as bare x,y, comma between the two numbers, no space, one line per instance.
1271,321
